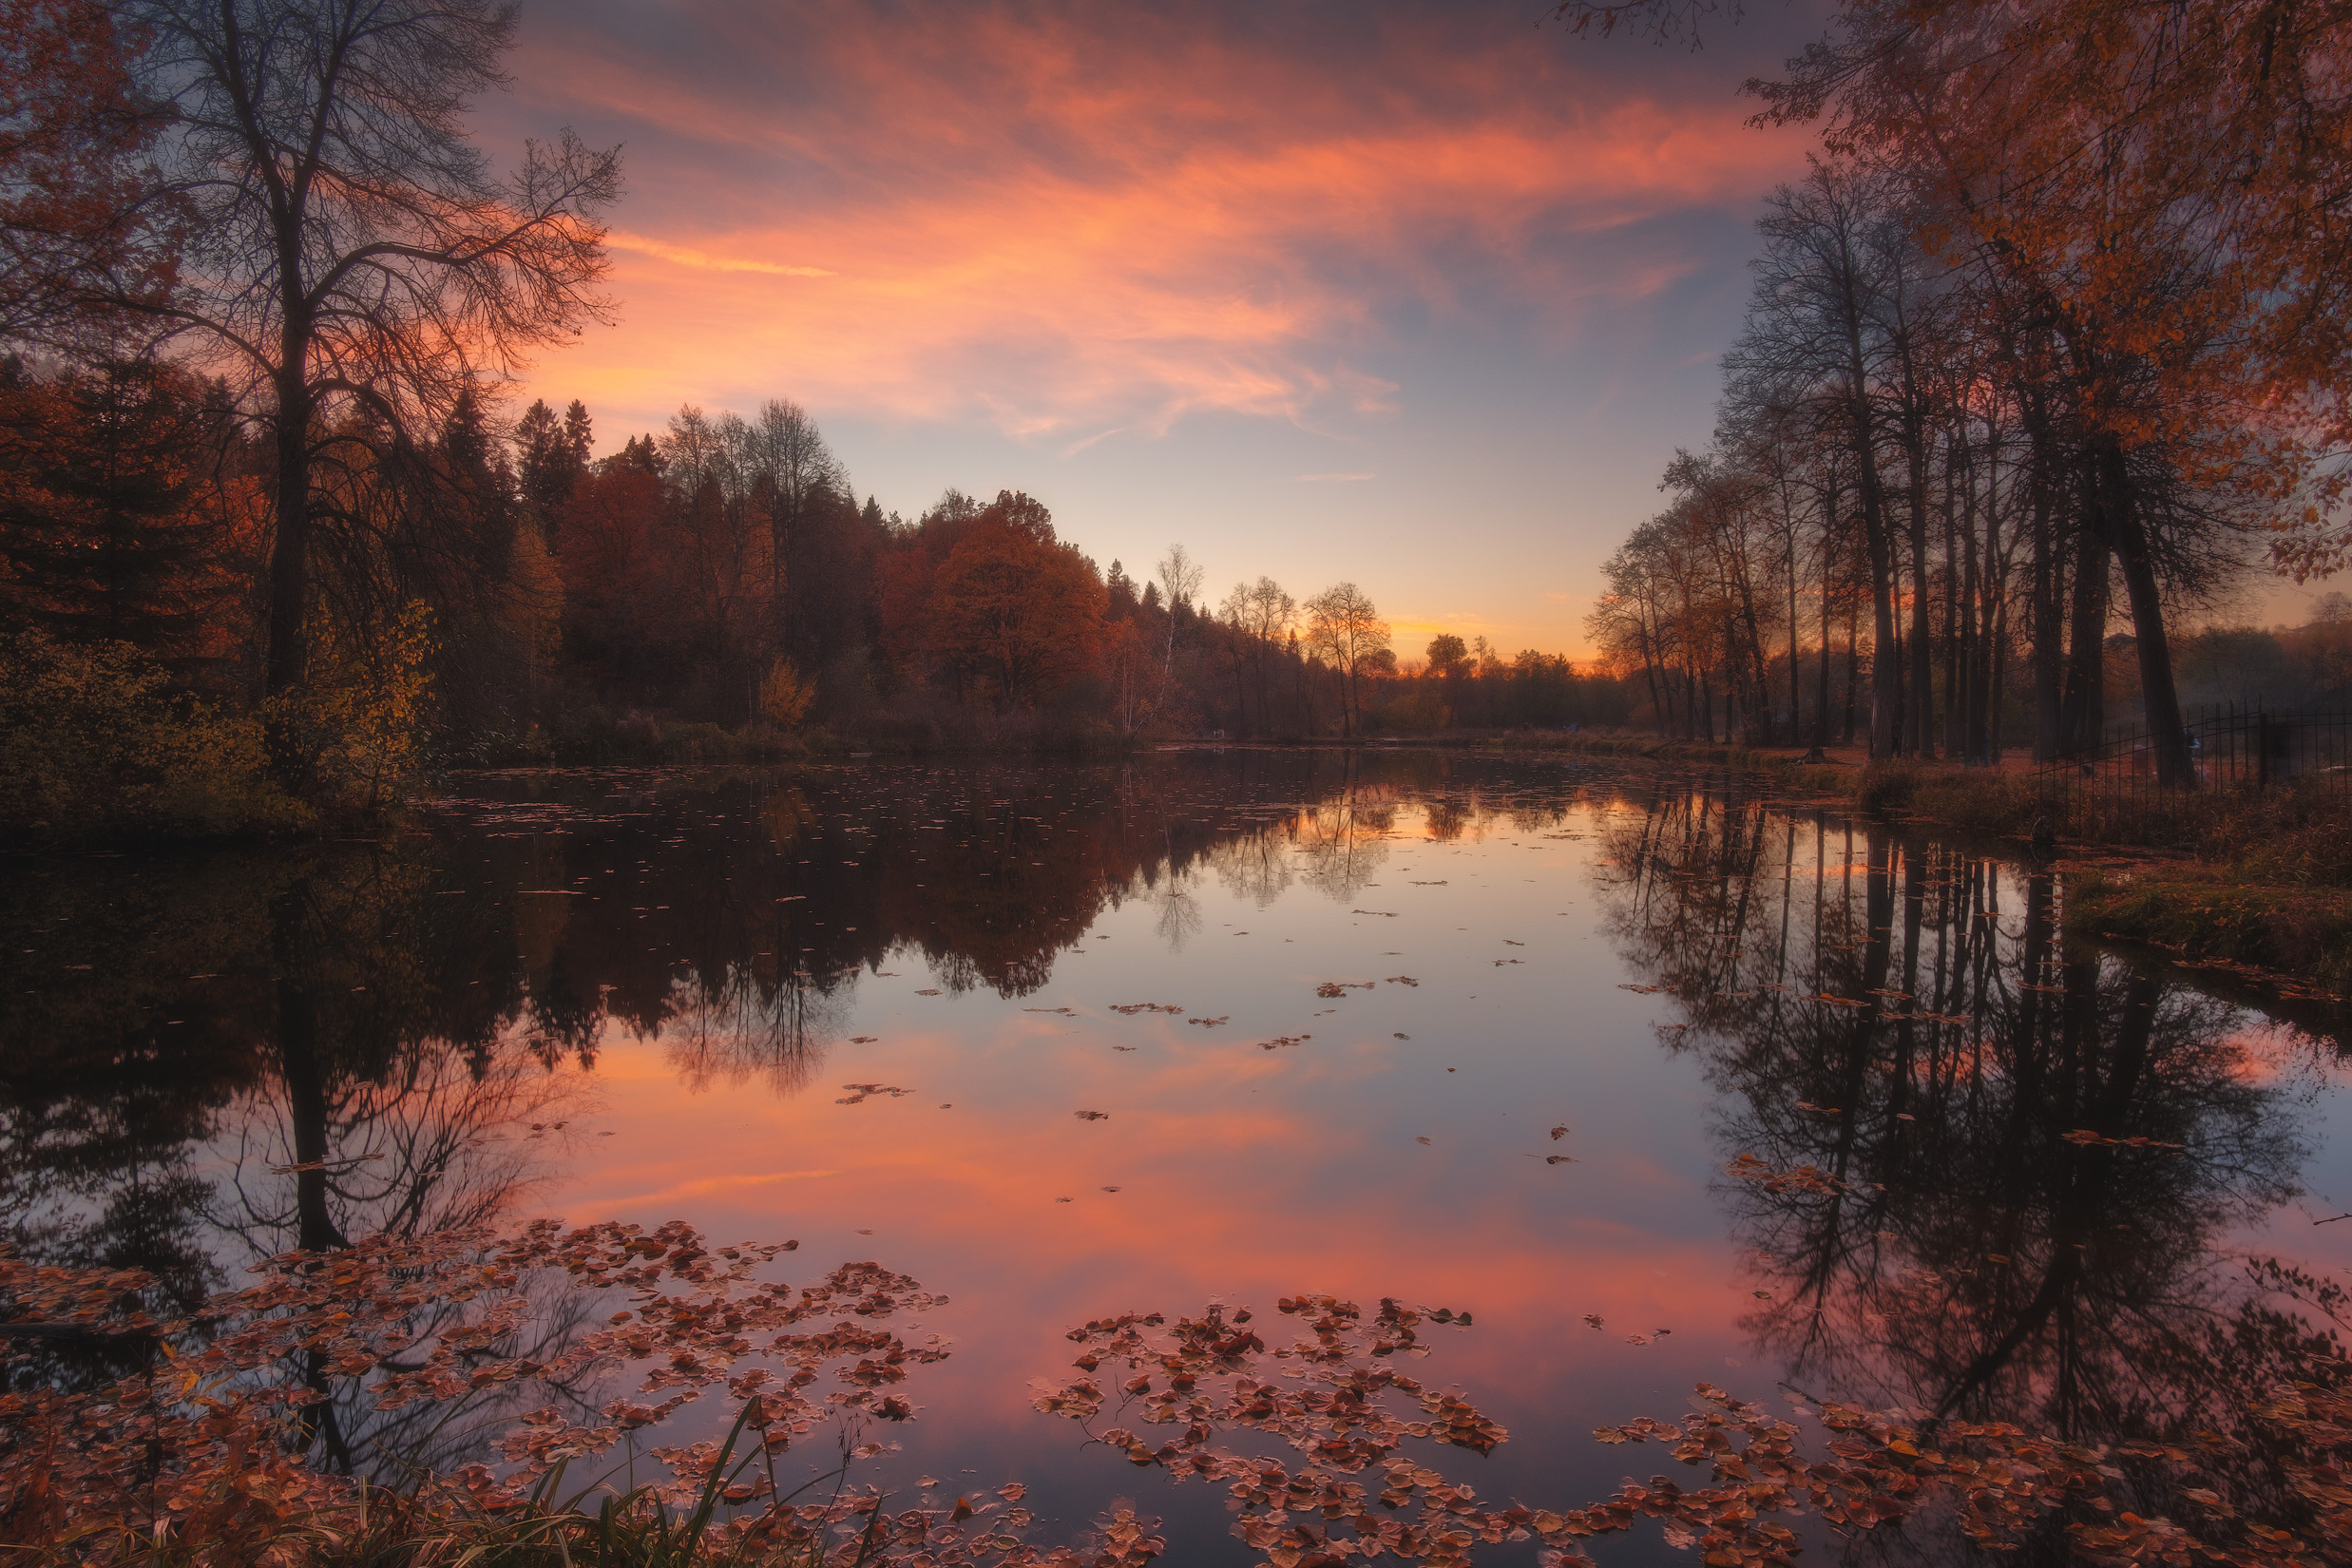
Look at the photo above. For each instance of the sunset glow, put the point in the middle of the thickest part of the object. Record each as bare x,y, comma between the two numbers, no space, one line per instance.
1278,286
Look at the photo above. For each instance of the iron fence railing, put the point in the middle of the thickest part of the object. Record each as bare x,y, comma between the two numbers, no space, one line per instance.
2230,747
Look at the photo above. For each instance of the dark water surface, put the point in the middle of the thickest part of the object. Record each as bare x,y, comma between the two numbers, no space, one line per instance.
1326,1013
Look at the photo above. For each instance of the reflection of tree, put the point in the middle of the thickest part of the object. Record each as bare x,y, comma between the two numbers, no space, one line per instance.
1975,1236
1178,920
1253,865
1342,841
754,1021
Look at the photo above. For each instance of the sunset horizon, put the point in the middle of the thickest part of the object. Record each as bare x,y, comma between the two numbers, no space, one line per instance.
1305,289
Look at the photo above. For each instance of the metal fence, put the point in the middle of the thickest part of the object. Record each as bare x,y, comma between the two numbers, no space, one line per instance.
2232,748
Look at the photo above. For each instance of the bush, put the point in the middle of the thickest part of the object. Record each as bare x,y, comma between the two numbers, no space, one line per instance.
95,744
354,734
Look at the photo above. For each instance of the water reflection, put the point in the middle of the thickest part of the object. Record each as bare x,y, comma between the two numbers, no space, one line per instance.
214,1058
293,1051
2004,1169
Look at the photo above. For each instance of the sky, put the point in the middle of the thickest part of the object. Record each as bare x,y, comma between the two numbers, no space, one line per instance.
1417,295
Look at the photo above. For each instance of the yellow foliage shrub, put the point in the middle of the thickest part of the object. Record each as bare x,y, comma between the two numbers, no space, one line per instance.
94,743
356,729
785,697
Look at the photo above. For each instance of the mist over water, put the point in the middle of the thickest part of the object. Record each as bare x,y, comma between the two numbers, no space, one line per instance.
1660,1079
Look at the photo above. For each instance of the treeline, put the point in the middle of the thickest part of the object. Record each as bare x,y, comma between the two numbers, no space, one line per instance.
716,581
2046,350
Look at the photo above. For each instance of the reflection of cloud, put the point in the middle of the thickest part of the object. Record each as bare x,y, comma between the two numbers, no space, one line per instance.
1059,223
716,1186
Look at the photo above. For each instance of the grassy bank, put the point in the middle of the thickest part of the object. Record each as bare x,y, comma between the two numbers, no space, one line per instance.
2254,879
2259,880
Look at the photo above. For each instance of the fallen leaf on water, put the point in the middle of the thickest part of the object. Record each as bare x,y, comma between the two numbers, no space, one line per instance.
1062,1201
1559,1131
1761,1296
864,1232
1592,1320
926,993
1280,1041
1645,991
1206,1023
1637,1339
1402,1034
1403,980
1110,1188
1091,1116
1421,1140
927,1481
863,1039
1131,1008
1560,1159
1508,943
1122,1047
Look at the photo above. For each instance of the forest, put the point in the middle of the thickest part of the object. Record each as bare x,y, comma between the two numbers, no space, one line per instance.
716,585
2026,393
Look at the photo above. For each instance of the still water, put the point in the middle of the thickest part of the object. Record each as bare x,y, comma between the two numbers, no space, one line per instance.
1064,1040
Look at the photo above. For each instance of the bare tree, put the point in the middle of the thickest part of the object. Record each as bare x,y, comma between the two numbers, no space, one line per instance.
354,264
1342,625
784,459
1263,614
1179,580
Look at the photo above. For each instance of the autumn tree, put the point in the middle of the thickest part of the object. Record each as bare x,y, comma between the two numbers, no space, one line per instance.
1014,609
79,221
2154,199
352,262
125,514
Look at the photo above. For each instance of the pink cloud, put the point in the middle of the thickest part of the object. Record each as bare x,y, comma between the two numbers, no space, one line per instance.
1061,224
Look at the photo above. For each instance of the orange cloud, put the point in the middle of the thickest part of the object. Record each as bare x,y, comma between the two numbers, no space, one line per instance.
1063,224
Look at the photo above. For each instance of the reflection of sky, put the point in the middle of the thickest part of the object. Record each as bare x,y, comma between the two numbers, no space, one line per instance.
1245,1174
1520,903
1308,286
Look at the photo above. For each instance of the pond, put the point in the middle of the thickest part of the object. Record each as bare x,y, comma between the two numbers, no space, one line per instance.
1656,1079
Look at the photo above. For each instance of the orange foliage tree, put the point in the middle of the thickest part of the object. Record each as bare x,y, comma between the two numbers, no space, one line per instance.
1014,608
72,128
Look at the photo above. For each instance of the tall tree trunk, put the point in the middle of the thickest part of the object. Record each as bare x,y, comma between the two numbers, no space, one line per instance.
1820,691
289,583
2159,698
1920,720
1959,481
2048,626
2084,722
1853,667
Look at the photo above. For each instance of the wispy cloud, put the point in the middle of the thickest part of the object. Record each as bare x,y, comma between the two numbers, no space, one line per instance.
1064,220
686,257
